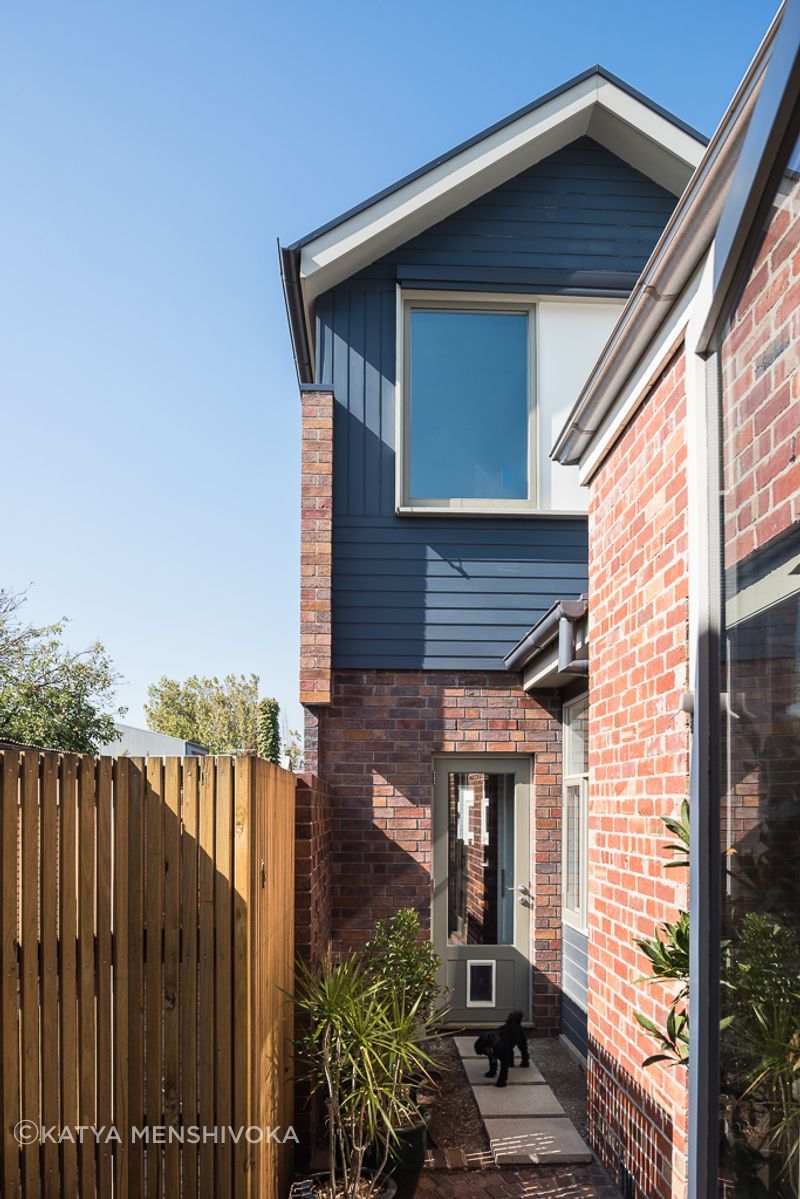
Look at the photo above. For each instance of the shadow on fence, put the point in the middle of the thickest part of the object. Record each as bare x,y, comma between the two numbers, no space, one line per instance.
146,916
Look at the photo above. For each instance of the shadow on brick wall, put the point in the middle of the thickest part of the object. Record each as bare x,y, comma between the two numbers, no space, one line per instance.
630,1133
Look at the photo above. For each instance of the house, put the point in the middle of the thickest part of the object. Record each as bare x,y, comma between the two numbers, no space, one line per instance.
686,437
436,527
510,658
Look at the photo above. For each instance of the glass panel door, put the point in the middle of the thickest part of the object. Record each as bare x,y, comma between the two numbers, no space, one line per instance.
481,884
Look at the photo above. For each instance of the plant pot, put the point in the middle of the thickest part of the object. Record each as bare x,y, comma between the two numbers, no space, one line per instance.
307,1189
407,1155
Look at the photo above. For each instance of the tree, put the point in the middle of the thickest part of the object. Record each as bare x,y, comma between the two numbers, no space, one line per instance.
49,696
220,714
292,747
268,733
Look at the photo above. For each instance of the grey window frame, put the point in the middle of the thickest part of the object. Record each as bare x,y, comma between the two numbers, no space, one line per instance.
489,302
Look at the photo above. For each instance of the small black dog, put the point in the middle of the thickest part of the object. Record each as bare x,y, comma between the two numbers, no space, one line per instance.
499,1047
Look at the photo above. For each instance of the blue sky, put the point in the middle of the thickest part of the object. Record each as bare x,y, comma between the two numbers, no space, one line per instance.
151,155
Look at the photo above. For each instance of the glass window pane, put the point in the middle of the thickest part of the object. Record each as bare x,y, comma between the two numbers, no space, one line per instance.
469,405
480,859
577,740
572,847
760,390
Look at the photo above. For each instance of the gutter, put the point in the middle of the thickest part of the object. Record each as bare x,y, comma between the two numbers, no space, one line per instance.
687,237
559,622
289,260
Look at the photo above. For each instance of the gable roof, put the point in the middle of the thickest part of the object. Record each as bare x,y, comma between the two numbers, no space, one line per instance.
595,103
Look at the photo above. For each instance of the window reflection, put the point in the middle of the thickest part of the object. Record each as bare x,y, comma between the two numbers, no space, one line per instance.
760,1041
480,859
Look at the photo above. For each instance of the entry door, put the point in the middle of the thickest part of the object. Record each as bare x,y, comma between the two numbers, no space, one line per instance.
482,884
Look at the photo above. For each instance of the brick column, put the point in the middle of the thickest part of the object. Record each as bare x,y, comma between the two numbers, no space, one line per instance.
316,550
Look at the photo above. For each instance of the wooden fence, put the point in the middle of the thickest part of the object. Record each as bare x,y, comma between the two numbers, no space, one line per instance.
146,916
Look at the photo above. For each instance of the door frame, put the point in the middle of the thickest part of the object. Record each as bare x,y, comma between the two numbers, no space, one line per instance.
521,765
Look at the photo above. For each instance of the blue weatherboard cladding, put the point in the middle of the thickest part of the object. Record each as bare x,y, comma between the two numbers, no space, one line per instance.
574,987
457,593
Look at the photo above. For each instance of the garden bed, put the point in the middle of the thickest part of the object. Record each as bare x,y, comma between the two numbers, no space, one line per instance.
455,1120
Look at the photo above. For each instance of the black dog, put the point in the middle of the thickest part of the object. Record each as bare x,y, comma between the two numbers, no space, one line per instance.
499,1047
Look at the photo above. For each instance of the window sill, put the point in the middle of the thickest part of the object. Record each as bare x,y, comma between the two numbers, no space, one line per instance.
431,510
574,922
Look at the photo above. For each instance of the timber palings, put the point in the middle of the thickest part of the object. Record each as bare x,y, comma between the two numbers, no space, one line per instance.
147,945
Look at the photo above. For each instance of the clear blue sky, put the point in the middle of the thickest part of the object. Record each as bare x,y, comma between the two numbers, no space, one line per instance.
151,155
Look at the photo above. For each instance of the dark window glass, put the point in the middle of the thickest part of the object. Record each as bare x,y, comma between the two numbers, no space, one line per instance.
480,847
760,1041
468,405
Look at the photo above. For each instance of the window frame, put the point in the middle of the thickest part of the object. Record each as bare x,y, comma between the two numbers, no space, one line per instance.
456,301
576,918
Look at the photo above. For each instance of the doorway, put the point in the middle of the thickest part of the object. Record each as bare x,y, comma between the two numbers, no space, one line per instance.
482,886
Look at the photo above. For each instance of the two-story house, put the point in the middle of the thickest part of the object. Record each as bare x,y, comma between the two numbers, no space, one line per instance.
442,330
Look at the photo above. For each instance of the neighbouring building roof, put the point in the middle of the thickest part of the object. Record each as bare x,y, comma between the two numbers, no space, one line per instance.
674,262
595,103
142,743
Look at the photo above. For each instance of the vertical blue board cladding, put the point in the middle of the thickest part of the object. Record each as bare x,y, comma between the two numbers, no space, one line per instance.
574,988
457,593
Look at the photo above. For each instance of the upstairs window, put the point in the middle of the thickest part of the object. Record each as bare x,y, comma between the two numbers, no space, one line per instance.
468,428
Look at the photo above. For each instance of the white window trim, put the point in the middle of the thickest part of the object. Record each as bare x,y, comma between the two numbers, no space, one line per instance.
473,301
576,918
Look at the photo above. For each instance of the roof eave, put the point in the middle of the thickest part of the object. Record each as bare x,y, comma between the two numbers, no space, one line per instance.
675,259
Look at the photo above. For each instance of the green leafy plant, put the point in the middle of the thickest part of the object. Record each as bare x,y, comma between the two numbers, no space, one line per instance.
399,956
268,731
50,696
668,955
362,1044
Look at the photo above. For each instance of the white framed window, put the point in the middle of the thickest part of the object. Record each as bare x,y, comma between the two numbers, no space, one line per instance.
468,434
484,383
575,812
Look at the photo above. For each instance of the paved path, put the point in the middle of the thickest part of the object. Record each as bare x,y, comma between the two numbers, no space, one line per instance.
539,1182
525,1123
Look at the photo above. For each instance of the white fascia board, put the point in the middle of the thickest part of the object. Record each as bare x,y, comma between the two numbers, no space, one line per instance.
595,106
644,138
337,254
649,367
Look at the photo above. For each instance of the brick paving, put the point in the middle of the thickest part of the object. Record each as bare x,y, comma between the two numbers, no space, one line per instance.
538,1182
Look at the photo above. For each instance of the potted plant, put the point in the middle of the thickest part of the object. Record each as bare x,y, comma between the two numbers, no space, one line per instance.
361,1046
401,959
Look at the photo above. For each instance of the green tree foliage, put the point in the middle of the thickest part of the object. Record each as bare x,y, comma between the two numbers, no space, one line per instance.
268,731
292,746
220,714
49,696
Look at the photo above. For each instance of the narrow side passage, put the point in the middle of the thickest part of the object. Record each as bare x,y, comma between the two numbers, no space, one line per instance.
524,1121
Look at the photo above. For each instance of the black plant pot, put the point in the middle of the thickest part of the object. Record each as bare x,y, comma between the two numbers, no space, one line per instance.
307,1189
407,1155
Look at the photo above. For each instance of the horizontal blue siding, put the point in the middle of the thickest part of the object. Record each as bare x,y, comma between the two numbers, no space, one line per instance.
458,593
574,987
448,593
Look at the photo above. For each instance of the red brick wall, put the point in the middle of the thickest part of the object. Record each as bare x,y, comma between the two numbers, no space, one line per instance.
638,761
313,867
312,892
316,507
761,385
376,743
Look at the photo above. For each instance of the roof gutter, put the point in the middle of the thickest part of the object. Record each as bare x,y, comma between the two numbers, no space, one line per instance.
295,311
559,622
678,253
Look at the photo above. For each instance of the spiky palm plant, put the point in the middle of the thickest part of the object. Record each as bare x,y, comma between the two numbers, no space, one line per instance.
363,1042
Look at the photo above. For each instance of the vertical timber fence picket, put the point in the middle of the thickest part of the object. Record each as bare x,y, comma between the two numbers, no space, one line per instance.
147,925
